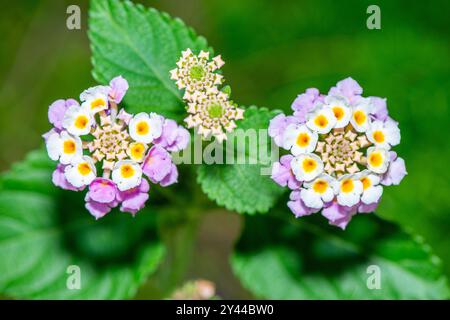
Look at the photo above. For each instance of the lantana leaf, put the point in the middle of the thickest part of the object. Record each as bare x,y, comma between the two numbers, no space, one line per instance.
143,45
47,230
242,187
298,259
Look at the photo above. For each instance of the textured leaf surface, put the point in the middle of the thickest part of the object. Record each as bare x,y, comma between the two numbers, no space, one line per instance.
278,259
142,45
242,187
43,231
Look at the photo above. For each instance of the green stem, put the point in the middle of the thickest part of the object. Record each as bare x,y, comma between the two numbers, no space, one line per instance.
178,229
168,195
179,239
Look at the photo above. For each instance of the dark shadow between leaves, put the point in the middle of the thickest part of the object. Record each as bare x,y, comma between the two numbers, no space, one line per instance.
115,239
318,247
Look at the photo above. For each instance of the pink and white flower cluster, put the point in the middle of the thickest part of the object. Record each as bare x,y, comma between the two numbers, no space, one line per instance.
340,152
110,152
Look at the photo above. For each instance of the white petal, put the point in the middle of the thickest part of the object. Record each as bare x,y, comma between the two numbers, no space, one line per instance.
124,182
372,194
310,147
322,113
358,187
382,164
316,186
133,147
94,91
392,133
348,199
53,145
140,119
341,104
71,174
328,195
334,99
311,198
75,177
67,158
70,120
351,196
360,111
157,122
374,179
96,103
378,128
366,104
297,165
154,127
289,136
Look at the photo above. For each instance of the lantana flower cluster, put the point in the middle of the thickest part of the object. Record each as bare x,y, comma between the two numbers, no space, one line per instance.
211,112
102,148
341,154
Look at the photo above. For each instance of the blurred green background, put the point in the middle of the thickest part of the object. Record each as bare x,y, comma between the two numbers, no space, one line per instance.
273,50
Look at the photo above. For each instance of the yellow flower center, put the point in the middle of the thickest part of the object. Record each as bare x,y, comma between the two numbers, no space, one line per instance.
69,146
378,136
347,185
142,128
309,164
320,186
303,139
360,117
84,169
98,103
338,112
376,159
365,182
137,150
321,121
127,171
81,121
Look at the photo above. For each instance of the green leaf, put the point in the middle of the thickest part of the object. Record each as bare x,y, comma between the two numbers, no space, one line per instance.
242,187
142,45
43,231
297,259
